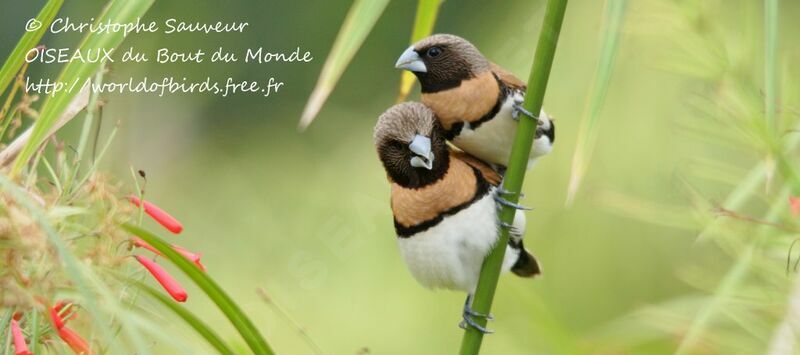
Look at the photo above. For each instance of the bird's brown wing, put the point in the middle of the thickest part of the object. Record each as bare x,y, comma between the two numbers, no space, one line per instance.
509,79
493,177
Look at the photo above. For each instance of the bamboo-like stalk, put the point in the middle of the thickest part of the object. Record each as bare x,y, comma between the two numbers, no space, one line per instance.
515,174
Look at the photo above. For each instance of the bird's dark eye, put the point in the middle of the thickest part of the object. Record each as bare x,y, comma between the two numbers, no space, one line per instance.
434,52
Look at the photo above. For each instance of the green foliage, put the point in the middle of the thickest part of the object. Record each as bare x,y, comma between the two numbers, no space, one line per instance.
75,73
231,310
357,25
587,135
196,323
28,41
744,290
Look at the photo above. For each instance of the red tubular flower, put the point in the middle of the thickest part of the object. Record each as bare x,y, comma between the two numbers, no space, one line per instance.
165,279
162,217
58,323
75,342
794,202
70,314
193,257
20,347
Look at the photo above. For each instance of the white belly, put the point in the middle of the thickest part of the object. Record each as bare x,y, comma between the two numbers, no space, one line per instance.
492,140
450,254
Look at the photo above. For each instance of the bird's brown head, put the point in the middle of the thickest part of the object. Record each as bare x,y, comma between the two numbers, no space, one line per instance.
443,61
410,145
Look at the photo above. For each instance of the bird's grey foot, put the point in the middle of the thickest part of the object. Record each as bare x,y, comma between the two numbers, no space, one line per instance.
502,191
469,313
517,110
498,196
511,228
471,323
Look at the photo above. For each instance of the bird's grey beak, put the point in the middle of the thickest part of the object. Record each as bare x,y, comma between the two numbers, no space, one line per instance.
410,60
421,146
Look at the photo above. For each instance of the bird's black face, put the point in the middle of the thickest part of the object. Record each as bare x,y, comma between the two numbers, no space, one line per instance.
416,163
411,147
442,62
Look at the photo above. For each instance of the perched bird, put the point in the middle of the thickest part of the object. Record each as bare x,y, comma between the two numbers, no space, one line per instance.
477,102
442,200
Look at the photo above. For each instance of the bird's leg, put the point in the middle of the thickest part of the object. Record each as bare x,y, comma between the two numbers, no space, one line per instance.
498,196
511,229
469,313
517,110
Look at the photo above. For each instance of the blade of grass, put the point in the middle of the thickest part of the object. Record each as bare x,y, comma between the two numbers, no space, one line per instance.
53,177
198,325
231,310
35,331
4,323
73,73
427,11
359,22
91,110
93,168
288,319
28,41
587,133
518,162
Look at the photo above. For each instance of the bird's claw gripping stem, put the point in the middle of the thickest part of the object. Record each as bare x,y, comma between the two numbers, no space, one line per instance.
471,323
500,200
467,320
502,191
519,110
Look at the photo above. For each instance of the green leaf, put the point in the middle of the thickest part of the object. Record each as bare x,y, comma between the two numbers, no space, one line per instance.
357,25
231,310
76,73
427,11
517,165
188,317
587,133
28,41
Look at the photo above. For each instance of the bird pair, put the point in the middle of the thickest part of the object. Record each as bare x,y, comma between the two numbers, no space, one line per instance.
445,200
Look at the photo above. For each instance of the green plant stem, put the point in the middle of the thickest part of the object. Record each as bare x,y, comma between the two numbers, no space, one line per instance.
515,174
231,310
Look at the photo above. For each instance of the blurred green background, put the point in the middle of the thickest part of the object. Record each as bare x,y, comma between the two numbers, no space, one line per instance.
305,216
